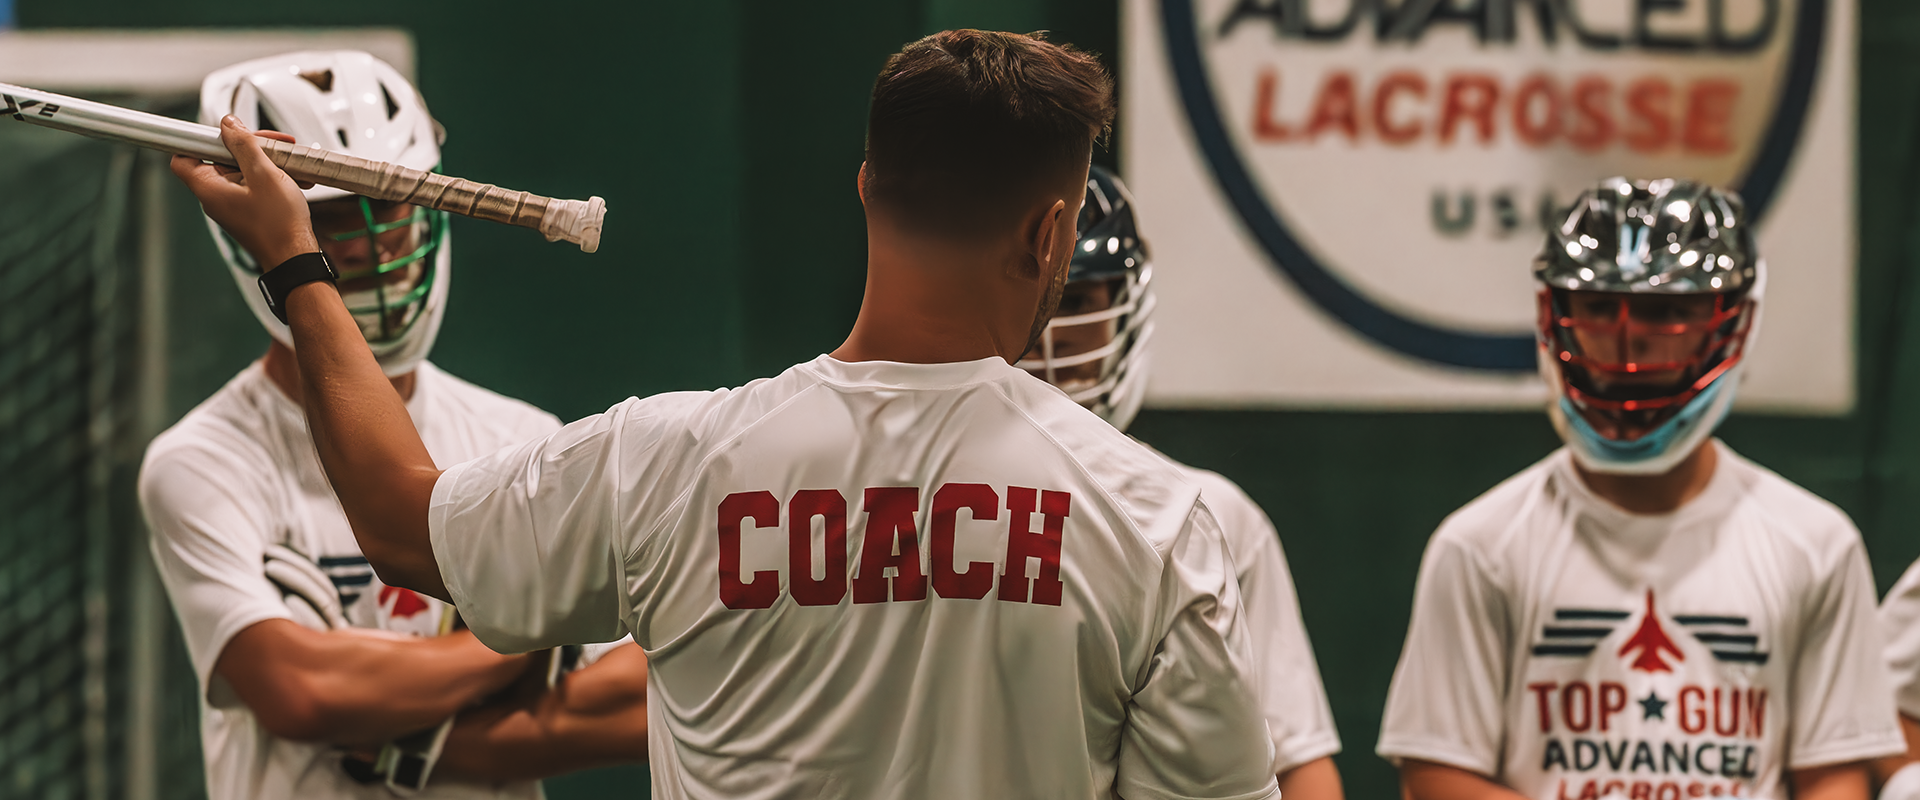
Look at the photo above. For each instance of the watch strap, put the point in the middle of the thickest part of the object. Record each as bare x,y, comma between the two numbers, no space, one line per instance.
277,283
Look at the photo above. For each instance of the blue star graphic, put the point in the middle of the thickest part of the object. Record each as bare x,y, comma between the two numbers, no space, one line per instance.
1652,707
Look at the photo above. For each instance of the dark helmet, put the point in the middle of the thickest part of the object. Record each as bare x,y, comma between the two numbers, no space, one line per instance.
1095,347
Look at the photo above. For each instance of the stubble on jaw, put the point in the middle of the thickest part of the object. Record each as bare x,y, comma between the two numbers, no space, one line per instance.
1049,304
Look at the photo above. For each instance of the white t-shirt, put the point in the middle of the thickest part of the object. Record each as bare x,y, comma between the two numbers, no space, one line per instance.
816,565
1568,649
1900,624
1285,674
239,473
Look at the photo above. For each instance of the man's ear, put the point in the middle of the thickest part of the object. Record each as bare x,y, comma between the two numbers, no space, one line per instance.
860,183
1045,242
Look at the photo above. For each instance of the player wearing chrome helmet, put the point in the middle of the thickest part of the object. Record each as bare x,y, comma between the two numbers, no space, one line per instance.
1096,350
1644,614
319,680
1649,294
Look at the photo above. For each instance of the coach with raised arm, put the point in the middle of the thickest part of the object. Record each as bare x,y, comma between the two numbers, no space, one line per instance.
903,569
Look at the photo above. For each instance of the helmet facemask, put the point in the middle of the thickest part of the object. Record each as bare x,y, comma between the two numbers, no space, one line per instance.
1629,362
1095,346
1101,325
386,254
385,260
1649,294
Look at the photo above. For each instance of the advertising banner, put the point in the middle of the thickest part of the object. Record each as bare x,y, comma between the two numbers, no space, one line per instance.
1343,197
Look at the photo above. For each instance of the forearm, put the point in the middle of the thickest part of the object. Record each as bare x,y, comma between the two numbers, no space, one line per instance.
1425,780
367,442
1883,769
1315,780
596,717
1849,781
358,687
383,688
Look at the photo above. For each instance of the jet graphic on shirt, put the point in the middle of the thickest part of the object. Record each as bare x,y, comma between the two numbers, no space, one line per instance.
1642,719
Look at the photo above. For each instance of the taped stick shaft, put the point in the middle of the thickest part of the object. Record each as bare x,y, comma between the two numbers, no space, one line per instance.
577,221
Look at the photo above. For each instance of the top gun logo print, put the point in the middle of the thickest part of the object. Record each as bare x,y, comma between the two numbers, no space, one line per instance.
1659,709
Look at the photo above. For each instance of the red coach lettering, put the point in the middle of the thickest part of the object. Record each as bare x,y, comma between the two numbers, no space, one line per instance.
805,505
890,512
764,509
983,503
1023,543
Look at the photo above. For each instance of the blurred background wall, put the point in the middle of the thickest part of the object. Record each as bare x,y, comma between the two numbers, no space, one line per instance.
725,135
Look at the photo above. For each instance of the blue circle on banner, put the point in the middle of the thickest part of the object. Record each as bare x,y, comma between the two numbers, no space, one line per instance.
1370,319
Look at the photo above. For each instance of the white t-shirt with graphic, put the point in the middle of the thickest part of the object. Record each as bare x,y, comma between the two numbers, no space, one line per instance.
239,473
1568,649
877,580
1285,673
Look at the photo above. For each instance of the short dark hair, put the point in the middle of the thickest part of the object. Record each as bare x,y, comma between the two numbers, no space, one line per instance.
967,126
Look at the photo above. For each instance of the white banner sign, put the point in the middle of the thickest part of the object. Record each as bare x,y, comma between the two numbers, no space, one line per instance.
1343,197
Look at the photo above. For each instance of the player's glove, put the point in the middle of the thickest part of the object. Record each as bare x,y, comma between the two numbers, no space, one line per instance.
307,591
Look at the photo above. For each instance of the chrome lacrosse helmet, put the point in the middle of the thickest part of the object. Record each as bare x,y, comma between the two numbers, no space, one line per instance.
1649,294
1095,347
394,259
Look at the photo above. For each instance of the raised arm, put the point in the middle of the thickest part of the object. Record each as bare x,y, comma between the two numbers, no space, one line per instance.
372,453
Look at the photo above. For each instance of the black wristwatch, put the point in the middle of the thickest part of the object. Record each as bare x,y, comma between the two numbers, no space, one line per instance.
277,283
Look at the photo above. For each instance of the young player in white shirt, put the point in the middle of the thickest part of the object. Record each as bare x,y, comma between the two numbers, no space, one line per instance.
904,569
1097,349
1644,614
308,664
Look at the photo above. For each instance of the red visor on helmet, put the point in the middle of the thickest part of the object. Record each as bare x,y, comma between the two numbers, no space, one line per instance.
1629,361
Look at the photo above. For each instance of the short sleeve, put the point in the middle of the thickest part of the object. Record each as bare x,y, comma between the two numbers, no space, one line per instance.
209,530
1194,729
1446,704
1841,705
1288,679
1900,625
525,539
533,541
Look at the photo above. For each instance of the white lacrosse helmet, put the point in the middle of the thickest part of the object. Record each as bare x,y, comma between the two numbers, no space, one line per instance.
350,102
1096,346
